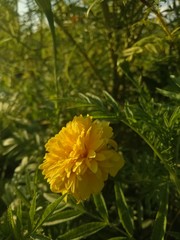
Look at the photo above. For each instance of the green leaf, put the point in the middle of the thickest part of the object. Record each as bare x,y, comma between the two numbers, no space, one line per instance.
169,94
62,216
45,5
32,210
92,5
120,238
5,40
83,231
47,212
123,210
46,8
19,219
51,197
38,237
159,228
174,117
101,206
113,102
12,223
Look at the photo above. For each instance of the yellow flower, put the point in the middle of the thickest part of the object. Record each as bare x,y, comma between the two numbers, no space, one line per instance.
80,157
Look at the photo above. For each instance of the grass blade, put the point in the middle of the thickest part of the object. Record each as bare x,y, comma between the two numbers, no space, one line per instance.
123,210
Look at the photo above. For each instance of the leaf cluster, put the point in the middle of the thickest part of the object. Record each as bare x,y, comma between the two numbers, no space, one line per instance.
117,61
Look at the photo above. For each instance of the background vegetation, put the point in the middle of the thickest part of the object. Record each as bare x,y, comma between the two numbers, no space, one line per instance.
116,60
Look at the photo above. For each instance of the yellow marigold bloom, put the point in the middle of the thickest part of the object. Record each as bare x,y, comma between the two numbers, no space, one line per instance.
80,157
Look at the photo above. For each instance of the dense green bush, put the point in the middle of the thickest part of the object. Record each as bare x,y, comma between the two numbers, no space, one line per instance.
114,60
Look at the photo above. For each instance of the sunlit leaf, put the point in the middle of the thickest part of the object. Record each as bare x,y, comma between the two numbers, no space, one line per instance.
83,231
62,216
92,5
48,212
101,206
169,94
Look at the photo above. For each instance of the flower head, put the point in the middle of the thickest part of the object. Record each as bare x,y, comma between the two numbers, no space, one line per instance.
80,157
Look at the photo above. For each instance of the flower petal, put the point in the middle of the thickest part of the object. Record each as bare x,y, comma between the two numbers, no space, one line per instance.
80,157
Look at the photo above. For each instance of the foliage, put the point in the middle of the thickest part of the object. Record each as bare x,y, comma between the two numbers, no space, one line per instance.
114,60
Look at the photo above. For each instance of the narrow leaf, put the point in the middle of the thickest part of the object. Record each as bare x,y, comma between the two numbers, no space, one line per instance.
51,197
120,238
39,237
48,211
169,94
83,231
5,40
12,223
45,5
101,206
159,228
32,210
113,102
62,216
123,210
175,116
92,5
46,8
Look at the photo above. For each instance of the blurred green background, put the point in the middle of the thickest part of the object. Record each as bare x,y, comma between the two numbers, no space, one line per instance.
115,60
